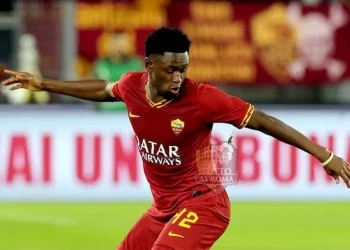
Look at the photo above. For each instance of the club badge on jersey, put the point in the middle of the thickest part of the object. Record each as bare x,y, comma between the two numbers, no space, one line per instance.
177,126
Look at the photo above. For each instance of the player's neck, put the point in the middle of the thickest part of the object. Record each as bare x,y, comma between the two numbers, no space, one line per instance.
153,94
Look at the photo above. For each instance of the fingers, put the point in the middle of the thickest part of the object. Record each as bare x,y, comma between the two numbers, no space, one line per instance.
340,169
10,81
346,171
16,79
336,178
347,166
334,175
11,72
345,175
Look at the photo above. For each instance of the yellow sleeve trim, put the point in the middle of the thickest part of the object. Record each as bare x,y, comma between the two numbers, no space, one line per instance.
111,86
247,116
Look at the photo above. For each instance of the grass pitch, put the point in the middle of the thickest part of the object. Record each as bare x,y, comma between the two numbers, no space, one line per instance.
99,226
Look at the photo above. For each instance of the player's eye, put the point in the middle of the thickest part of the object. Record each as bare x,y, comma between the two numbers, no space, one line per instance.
172,70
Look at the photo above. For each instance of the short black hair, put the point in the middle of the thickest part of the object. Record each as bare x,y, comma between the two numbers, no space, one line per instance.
167,39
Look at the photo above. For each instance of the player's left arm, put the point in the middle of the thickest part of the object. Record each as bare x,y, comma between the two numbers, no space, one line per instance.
269,125
235,111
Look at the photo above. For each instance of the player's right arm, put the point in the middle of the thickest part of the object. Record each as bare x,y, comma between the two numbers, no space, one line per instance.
91,90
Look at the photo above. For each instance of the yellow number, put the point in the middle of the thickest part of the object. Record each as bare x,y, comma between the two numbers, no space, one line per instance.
192,218
178,215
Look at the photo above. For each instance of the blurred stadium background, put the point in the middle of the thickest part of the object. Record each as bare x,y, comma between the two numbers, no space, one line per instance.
70,175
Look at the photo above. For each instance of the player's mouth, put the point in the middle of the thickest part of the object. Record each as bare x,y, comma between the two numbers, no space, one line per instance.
175,90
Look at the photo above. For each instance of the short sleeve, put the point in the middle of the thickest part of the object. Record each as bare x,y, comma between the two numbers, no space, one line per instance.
219,107
117,89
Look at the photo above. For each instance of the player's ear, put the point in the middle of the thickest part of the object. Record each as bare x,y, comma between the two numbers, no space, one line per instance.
148,64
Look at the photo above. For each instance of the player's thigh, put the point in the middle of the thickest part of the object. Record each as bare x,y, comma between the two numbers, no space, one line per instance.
142,235
194,228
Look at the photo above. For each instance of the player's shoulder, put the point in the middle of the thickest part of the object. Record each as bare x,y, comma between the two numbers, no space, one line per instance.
132,76
199,91
199,87
206,96
133,79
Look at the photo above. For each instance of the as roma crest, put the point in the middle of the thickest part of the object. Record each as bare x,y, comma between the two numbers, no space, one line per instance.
177,126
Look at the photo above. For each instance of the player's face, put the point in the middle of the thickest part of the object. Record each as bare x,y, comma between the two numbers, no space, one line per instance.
167,72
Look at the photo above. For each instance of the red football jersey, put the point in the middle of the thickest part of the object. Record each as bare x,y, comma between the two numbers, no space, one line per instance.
169,133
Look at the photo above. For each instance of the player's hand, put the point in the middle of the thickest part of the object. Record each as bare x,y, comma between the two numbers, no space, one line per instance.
22,80
338,168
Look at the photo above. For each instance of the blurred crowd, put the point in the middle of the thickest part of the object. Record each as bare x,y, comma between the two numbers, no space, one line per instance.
20,51
111,67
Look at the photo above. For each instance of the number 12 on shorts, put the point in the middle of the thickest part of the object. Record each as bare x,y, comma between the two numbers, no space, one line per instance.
191,218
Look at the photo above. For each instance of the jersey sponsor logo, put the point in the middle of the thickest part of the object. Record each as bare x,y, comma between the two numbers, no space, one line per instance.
132,115
171,234
177,126
157,153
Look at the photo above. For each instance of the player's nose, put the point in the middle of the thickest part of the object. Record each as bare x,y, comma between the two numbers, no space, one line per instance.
176,77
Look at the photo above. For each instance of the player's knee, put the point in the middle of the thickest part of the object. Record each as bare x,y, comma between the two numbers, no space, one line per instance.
162,247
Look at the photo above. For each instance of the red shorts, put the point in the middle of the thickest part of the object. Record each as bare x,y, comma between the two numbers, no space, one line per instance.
197,226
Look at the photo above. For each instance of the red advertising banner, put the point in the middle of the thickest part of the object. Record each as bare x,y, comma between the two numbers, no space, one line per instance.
232,43
97,20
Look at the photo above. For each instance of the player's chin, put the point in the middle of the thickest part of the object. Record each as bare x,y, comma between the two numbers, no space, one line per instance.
168,95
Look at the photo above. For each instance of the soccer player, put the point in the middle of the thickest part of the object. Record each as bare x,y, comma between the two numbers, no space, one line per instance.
172,117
